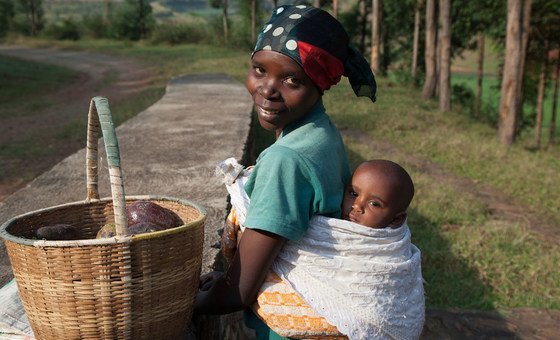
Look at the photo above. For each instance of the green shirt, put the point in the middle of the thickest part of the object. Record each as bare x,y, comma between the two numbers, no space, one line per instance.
302,174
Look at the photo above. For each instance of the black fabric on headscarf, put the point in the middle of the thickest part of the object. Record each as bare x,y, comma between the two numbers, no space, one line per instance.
320,45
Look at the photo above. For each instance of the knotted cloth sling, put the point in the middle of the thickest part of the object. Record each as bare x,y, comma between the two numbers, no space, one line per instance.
343,278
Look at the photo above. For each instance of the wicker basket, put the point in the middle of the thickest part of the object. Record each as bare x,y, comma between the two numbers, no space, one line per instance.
125,287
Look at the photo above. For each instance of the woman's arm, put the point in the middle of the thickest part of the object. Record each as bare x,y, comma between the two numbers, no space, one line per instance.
238,287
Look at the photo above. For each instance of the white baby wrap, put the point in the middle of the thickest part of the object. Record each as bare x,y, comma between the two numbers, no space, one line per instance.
367,282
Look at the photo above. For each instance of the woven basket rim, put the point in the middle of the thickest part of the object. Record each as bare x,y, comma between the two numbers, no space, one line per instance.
4,234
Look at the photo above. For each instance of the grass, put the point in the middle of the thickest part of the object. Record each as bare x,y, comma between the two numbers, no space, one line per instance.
31,85
491,91
470,258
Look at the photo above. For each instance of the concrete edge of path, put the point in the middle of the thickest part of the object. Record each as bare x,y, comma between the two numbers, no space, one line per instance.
169,149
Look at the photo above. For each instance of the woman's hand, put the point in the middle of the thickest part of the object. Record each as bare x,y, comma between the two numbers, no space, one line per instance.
208,280
238,287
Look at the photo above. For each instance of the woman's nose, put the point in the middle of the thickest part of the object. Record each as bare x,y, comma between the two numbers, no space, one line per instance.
267,89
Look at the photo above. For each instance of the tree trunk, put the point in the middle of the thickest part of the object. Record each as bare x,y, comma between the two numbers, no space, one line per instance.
317,3
445,59
225,20
414,68
511,75
480,74
275,3
107,11
362,7
335,8
525,29
142,23
438,62
33,16
254,21
375,34
540,97
430,51
552,128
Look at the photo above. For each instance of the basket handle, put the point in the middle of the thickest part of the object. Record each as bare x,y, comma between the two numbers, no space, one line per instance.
99,116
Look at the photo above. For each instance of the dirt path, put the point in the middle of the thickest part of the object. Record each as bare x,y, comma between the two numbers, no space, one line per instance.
500,205
110,76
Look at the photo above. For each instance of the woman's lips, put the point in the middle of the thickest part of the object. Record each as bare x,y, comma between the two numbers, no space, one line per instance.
268,112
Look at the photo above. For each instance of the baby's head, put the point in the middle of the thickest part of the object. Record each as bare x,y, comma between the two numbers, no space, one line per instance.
379,195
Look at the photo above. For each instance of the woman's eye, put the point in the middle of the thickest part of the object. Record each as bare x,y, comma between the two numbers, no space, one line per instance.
353,193
291,81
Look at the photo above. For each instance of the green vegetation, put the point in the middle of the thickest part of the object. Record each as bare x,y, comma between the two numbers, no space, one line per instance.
470,258
31,85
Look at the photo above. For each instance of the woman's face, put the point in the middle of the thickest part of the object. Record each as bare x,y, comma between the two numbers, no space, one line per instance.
281,90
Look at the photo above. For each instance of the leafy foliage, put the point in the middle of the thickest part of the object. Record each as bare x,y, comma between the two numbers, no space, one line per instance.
96,26
134,20
28,17
6,15
67,29
174,33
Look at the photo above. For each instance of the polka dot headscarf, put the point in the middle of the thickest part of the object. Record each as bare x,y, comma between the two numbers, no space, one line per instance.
320,45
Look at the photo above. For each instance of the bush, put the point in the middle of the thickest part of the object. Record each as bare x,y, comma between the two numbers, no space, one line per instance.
96,27
462,95
134,20
68,29
240,35
6,15
174,33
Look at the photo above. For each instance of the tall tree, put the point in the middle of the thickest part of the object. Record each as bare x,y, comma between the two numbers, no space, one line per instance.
33,11
6,15
107,11
479,73
553,116
525,30
512,76
253,21
430,51
225,20
134,20
416,38
317,3
375,34
445,55
363,14
540,97
335,8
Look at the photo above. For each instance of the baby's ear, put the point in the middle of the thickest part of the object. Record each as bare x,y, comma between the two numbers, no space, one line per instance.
398,220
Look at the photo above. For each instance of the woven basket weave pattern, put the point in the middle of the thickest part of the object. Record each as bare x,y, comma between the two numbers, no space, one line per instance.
124,287
141,289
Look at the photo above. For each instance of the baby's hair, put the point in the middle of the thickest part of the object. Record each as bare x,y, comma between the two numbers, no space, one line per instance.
399,177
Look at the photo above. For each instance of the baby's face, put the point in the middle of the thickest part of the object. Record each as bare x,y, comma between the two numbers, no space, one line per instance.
369,199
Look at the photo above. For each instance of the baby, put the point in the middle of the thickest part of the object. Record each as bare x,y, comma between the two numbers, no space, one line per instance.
378,195
360,279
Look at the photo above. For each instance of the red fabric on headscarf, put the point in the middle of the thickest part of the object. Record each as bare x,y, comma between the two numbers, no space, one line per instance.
323,68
